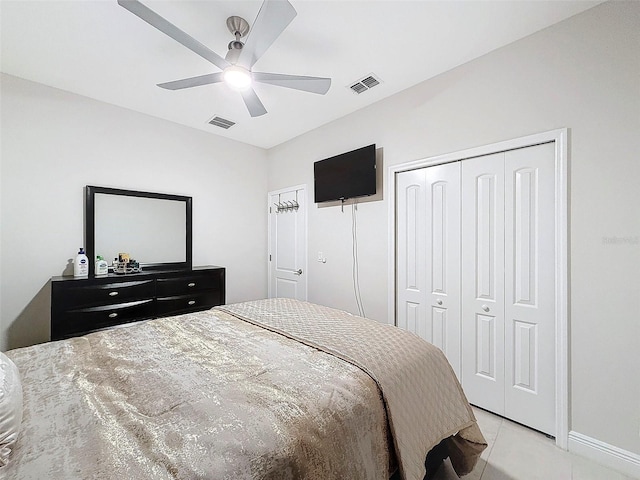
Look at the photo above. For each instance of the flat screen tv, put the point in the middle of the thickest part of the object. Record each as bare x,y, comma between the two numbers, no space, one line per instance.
348,175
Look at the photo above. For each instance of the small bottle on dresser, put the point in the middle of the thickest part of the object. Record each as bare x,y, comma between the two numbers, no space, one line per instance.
102,267
81,264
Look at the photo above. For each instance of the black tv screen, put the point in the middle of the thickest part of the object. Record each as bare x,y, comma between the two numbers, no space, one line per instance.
348,175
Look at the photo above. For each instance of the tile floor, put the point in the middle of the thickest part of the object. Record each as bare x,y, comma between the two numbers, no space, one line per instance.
518,453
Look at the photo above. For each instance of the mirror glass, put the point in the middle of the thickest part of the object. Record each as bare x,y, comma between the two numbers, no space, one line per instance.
153,228
150,230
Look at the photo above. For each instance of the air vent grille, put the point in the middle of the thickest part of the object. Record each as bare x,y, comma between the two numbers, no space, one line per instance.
370,82
221,122
365,84
359,87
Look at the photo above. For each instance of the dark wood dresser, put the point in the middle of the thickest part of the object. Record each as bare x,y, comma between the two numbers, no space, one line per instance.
83,305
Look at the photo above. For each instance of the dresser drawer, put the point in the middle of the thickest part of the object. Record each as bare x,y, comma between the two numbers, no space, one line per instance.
82,320
166,287
107,293
187,303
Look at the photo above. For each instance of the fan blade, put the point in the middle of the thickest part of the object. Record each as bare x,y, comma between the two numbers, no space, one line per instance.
307,84
272,19
193,81
253,103
155,20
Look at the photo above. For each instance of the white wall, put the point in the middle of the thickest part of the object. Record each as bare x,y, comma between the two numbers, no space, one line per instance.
584,74
54,143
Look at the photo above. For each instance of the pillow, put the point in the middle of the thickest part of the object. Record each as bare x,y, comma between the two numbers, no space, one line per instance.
10,407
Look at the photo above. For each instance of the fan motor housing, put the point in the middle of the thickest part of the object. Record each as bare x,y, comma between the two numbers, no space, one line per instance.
238,26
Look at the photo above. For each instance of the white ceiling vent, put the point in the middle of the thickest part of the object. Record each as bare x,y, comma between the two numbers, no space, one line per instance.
365,84
221,122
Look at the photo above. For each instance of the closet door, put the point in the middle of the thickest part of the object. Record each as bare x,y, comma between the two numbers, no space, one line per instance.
508,284
442,245
530,287
483,369
428,273
476,275
411,272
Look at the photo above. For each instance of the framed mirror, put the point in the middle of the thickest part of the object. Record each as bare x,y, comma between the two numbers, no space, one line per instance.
153,228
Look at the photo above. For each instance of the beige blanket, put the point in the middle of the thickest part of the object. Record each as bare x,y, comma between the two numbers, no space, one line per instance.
200,396
424,399
208,395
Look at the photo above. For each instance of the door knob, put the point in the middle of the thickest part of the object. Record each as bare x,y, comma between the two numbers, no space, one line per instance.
298,272
439,301
485,308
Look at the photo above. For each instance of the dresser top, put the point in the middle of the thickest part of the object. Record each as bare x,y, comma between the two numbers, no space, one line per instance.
139,275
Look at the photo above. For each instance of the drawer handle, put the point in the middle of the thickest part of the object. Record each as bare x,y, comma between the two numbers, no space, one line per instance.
192,284
192,302
113,315
113,294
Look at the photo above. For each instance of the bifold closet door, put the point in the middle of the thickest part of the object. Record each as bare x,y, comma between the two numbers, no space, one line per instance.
530,338
508,284
483,349
428,262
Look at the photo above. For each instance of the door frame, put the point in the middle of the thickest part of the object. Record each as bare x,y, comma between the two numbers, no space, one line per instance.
304,277
560,138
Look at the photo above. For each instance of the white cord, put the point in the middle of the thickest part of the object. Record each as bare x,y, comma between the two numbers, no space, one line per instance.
354,253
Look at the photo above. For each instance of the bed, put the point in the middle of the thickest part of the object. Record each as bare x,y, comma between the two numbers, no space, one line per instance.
270,389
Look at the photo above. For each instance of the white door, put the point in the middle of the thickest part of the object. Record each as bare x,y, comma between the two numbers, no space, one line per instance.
483,281
475,275
411,271
530,287
428,273
508,284
288,243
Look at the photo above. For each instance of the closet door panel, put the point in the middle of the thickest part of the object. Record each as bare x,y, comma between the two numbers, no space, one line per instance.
411,264
443,260
530,287
483,281
428,256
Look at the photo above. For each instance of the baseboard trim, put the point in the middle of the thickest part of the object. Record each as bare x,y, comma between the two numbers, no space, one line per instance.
613,457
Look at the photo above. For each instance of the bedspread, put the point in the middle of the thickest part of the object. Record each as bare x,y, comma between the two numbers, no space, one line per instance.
424,399
197,396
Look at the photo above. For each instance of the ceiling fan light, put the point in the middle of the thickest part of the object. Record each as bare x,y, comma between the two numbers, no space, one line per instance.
237,78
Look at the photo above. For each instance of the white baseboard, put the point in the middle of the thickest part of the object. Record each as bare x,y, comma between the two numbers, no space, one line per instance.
613,457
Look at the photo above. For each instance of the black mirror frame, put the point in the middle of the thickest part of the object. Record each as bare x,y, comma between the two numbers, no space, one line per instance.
89,226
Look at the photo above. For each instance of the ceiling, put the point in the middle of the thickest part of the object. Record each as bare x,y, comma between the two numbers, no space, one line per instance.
102,51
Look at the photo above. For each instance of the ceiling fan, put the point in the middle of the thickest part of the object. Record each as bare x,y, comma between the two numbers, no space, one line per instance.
272,19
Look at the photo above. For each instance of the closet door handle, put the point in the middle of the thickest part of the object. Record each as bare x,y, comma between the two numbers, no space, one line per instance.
485,308
439,301
298,272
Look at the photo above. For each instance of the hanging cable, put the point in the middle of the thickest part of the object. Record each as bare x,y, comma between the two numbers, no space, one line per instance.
354,254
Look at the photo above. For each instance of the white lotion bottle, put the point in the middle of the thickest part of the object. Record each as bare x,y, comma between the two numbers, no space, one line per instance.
81,265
